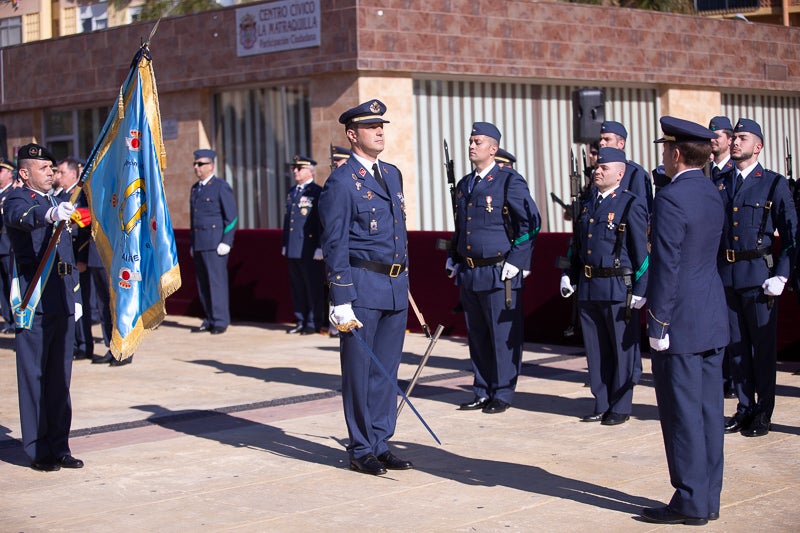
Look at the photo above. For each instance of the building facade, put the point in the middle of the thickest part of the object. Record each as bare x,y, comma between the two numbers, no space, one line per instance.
438,65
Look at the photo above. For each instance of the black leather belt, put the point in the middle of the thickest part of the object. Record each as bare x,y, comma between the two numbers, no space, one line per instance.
392,270
597,272
64,269
482,261
732,256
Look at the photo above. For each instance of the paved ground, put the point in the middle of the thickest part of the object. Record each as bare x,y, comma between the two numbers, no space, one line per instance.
244,432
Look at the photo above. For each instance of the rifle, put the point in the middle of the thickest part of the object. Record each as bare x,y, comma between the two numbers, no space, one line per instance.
451,180
444,244
333,163
569,262
792,182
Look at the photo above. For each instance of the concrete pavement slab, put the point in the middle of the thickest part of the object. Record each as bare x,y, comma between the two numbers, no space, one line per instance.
244,432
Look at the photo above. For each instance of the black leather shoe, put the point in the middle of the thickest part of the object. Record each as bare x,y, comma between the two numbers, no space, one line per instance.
45,466
8,328
758,427
665,515
495,406
391,462
200,329
737,422
117,362
308,331
476,403
368,464
218,331
68,461
297,329
596,417
102,359
80,354
713,516
614,419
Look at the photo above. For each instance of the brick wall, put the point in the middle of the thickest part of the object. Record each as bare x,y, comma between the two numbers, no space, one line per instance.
517,39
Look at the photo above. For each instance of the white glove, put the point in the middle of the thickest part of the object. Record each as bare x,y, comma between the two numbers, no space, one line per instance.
509,271
62,211
637,302
774,286
283,251
567,288
451,267
343,317
318,254
526,273
223,249
660,345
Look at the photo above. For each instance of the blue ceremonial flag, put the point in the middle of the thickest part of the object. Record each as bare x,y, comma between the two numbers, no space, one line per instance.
131,225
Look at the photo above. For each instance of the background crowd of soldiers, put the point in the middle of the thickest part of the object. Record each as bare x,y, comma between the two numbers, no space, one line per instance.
753,264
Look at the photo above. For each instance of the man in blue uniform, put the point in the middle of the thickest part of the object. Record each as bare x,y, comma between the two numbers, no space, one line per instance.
364,242
636,179
491,250
213,223
687,325
65,179
302,249
45,337
7,170
339,156
754,270
611,276
721,167
504,158
721,162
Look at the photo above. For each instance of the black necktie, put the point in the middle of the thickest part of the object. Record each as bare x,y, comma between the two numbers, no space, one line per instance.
298,193
475,181
739,183
377,174
598,200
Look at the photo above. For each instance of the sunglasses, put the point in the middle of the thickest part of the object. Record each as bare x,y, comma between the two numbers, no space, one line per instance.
201,163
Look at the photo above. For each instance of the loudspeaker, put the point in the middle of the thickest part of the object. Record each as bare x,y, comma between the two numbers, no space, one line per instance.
588,114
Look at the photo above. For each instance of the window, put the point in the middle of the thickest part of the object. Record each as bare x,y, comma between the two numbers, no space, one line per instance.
93,17
10,31
257,131
73,132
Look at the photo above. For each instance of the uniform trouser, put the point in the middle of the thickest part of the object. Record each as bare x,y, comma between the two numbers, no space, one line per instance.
753,349
6,273
692,422
44,370
612,353
495,341
369,399
212,287
306,284
94,282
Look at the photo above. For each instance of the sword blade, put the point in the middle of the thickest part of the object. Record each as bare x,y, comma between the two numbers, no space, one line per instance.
422,363
393,381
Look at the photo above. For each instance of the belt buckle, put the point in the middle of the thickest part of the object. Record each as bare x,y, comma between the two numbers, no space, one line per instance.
730,255
63,269
587,271
470,262
395,270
